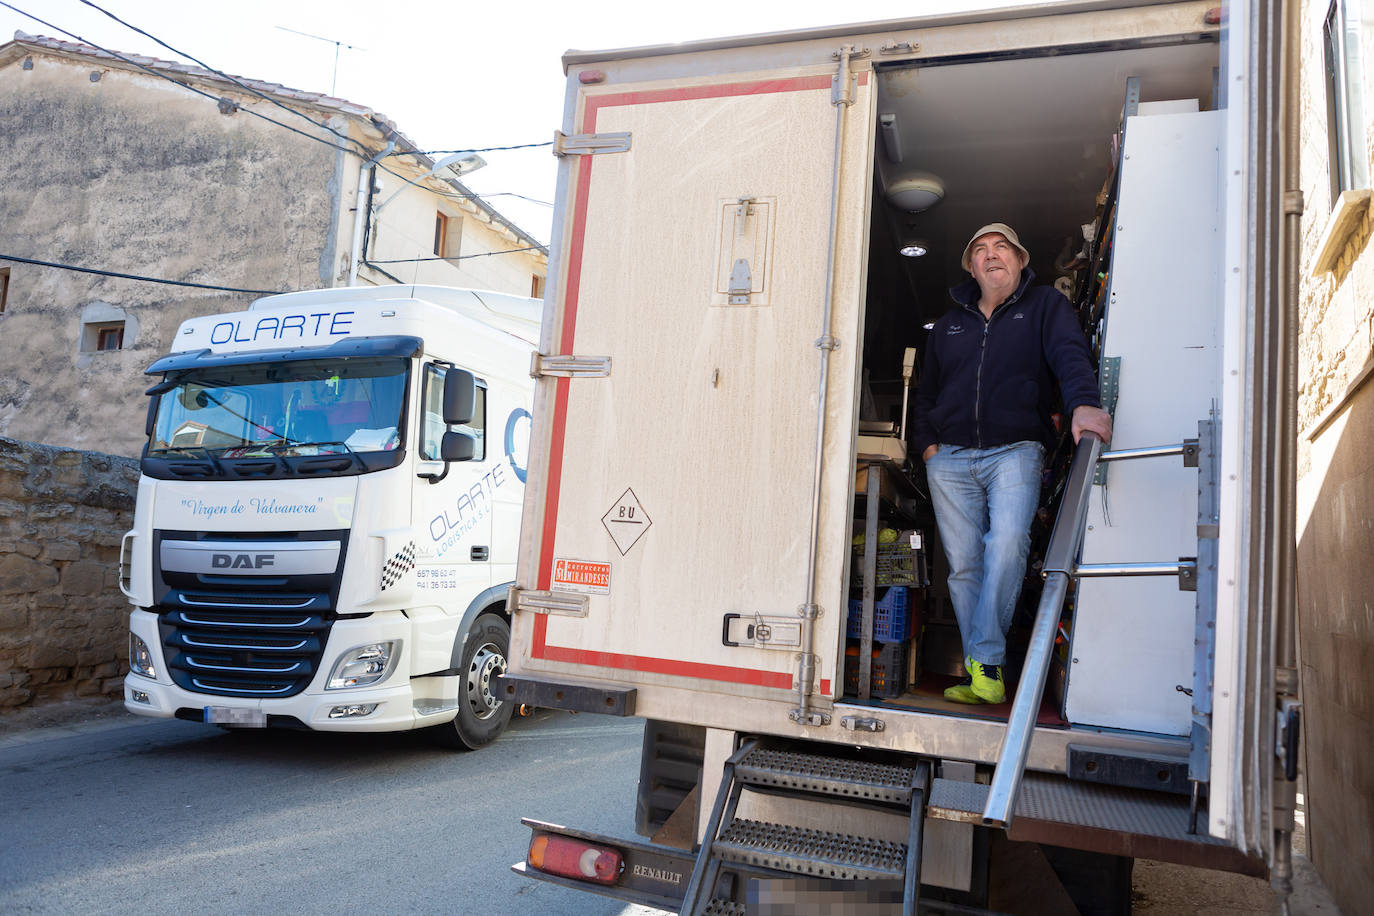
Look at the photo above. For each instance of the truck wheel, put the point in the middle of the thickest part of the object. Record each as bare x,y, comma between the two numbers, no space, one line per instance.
482,716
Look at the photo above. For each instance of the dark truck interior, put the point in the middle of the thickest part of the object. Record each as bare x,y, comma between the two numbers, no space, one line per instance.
1031,141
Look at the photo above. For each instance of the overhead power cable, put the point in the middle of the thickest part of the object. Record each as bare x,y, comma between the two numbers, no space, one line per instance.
461,257
124,276
446,152
235,80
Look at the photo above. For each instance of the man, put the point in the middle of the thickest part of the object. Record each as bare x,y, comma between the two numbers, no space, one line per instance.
982,426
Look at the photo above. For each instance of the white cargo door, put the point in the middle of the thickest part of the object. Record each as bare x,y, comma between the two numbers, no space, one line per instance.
674,494
1256,543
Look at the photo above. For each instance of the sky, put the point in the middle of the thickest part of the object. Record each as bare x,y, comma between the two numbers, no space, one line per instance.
450,75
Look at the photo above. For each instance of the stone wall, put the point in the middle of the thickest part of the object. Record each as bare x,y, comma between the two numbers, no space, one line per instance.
1335,499
63,619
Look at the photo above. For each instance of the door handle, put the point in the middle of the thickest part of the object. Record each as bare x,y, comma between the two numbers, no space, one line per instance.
480,553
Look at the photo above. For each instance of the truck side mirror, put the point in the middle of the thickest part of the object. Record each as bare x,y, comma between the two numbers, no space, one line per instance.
460,397
458,446
151,419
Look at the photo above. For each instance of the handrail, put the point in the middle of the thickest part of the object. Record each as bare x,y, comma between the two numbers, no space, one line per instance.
1059,558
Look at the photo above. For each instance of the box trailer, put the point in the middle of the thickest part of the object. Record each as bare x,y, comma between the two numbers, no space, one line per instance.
723,532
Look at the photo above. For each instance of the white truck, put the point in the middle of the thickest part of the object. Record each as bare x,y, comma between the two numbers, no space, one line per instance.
752,235
328,513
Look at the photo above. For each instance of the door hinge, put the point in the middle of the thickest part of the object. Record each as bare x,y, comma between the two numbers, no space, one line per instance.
569,366
862,723
900,46
565,604
810,717
842,83
589,144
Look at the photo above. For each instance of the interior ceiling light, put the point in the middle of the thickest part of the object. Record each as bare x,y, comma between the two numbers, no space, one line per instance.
914,248
916,192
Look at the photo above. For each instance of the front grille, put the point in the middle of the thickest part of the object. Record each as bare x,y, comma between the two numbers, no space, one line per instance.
246,635
266,652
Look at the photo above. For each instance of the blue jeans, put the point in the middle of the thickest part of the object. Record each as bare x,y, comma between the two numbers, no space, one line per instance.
984,502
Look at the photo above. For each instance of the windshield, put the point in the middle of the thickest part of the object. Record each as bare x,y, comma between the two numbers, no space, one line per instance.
307,407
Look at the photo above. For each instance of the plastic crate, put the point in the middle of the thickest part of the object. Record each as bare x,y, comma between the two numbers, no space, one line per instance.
891,616
896,565
888,677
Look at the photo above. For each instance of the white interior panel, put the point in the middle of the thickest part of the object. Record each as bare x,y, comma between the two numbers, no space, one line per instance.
1133,636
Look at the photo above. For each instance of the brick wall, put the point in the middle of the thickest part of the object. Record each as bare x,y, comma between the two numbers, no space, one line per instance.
63,620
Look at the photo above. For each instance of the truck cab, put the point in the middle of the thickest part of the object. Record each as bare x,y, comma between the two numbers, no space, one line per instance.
328,513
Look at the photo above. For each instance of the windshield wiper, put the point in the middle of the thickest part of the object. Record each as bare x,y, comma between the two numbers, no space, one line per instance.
191,450
325,461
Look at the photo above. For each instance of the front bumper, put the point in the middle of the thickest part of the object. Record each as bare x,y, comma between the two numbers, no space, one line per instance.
398,706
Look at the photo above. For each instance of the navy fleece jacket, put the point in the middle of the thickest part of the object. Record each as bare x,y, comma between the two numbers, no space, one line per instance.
992,382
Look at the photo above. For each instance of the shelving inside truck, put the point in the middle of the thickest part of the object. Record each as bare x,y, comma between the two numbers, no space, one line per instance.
1034,141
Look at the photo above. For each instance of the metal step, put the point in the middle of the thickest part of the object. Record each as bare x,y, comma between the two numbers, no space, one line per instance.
718,907
1134,822
809,852
826,775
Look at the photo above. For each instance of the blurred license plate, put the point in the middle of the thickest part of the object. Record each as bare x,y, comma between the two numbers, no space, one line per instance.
233,715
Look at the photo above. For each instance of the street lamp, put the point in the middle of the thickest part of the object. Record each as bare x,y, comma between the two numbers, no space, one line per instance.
461,163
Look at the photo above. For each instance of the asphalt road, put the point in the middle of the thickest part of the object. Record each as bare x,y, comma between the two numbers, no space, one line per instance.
132,815
105,812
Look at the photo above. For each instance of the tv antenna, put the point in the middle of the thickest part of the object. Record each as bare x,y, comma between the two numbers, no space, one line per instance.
337,45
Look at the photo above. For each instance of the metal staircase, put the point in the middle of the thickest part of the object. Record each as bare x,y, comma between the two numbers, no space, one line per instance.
781,850
1062,567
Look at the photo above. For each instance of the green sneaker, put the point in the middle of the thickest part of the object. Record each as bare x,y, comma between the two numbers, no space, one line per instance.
987,683
962,692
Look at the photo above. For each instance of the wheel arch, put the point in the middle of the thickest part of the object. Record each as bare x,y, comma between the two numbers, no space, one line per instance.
491,600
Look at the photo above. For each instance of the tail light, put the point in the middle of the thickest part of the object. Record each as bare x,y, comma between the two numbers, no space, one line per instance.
559,855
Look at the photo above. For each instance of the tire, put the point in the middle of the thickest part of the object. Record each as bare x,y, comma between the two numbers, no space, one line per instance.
481,716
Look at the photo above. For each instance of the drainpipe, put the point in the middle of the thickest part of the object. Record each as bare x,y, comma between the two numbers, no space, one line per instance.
360,208
1287,686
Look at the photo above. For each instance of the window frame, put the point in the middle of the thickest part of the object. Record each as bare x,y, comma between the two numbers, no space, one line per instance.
93,335
448,235
432,387
440,233
102,334
1341,58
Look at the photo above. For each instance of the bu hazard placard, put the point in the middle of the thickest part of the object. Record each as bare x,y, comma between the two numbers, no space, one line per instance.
582,576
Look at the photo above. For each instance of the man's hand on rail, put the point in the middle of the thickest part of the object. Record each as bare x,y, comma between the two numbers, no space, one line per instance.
1092,419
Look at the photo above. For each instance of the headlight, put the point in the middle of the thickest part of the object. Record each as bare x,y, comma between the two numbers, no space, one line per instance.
364,665
140,658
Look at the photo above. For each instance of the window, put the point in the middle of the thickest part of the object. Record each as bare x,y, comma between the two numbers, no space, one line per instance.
537,287
447,235
1344,108
4,288
284,409
102,335
440,234
432,427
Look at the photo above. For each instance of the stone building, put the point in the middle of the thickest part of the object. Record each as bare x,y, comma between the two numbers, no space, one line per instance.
1335,442
120,163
